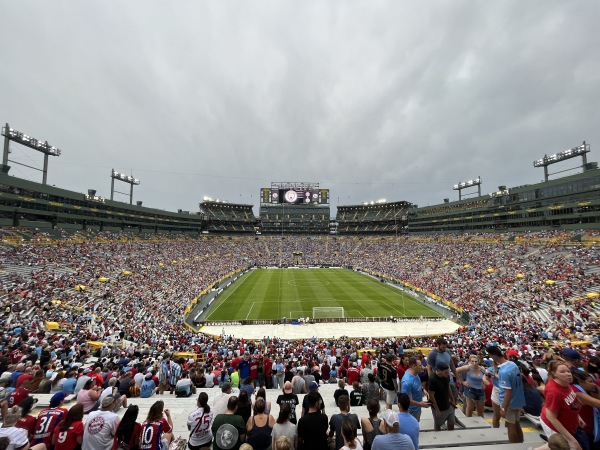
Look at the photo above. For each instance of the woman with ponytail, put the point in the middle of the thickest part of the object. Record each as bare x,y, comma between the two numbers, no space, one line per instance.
199,423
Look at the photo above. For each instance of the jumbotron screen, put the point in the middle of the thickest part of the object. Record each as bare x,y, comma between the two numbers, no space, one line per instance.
295,196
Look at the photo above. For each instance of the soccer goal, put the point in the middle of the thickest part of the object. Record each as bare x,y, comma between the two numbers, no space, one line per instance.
328,312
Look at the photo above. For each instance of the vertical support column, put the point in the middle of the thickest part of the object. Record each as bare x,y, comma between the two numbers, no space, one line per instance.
6,141
45,171
112,184
545,173
5,167
131,194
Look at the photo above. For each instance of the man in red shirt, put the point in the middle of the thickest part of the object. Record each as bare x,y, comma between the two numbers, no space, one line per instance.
254,369
353,374
267,367
48,419
26,376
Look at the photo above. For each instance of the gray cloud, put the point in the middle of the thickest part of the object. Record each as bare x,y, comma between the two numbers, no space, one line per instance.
371,99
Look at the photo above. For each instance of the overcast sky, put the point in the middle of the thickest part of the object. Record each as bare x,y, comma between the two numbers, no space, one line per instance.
371,99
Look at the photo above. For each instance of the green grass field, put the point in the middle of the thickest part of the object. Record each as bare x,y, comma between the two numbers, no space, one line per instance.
276,293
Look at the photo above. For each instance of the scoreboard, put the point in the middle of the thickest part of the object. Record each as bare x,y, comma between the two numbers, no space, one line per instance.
294,195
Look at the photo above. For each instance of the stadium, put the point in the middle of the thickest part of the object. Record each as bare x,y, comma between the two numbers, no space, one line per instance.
305,273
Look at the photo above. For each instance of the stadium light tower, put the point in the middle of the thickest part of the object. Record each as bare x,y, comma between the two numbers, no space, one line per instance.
125,178
23,139
580,150
467,184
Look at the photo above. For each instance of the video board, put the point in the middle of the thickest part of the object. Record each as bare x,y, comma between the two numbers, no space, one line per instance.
294,195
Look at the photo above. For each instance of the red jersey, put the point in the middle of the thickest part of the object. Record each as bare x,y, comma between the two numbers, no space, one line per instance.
15,356
151,434
24,377
47,421
353,375
17,396
27,423
254,369
67,440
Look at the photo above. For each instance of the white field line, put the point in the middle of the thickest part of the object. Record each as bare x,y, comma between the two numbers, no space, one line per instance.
250,310
230,291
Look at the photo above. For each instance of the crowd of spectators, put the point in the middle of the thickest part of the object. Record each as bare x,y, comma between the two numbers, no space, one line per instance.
500,284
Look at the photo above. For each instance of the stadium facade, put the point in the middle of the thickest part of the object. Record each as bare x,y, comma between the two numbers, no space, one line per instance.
571,202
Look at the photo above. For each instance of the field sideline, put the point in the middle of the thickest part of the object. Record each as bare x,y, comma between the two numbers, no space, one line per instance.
271,294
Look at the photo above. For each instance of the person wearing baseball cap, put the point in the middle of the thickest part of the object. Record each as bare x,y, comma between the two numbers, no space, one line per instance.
221,400
289,398
572,358
48,419
441,397
313,387
101,427
512,395
393,439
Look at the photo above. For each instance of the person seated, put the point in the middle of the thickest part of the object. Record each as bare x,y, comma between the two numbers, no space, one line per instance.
341,390
185,387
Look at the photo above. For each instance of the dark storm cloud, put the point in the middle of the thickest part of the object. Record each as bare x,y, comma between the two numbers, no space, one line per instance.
392,100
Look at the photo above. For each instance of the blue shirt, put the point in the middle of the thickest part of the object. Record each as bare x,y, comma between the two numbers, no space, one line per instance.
509,376
147,388
244,369
411,385
392,441
69,386
409,426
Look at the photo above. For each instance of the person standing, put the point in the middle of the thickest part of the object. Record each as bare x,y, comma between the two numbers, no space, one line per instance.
278,374
560,413
243,367
175,374
512,397
289,398
370,389
474,385
283,427
408,424
441,397
312,427
411,386
228,428
335,423
387,374
259,427
372,426
220,402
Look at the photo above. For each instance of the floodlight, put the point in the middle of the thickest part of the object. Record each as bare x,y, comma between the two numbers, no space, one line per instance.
114,175
544,162
466,184
28,141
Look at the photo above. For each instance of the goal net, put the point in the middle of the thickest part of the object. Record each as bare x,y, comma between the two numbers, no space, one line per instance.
328,312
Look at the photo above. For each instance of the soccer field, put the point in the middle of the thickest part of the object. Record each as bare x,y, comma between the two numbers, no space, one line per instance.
271,294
